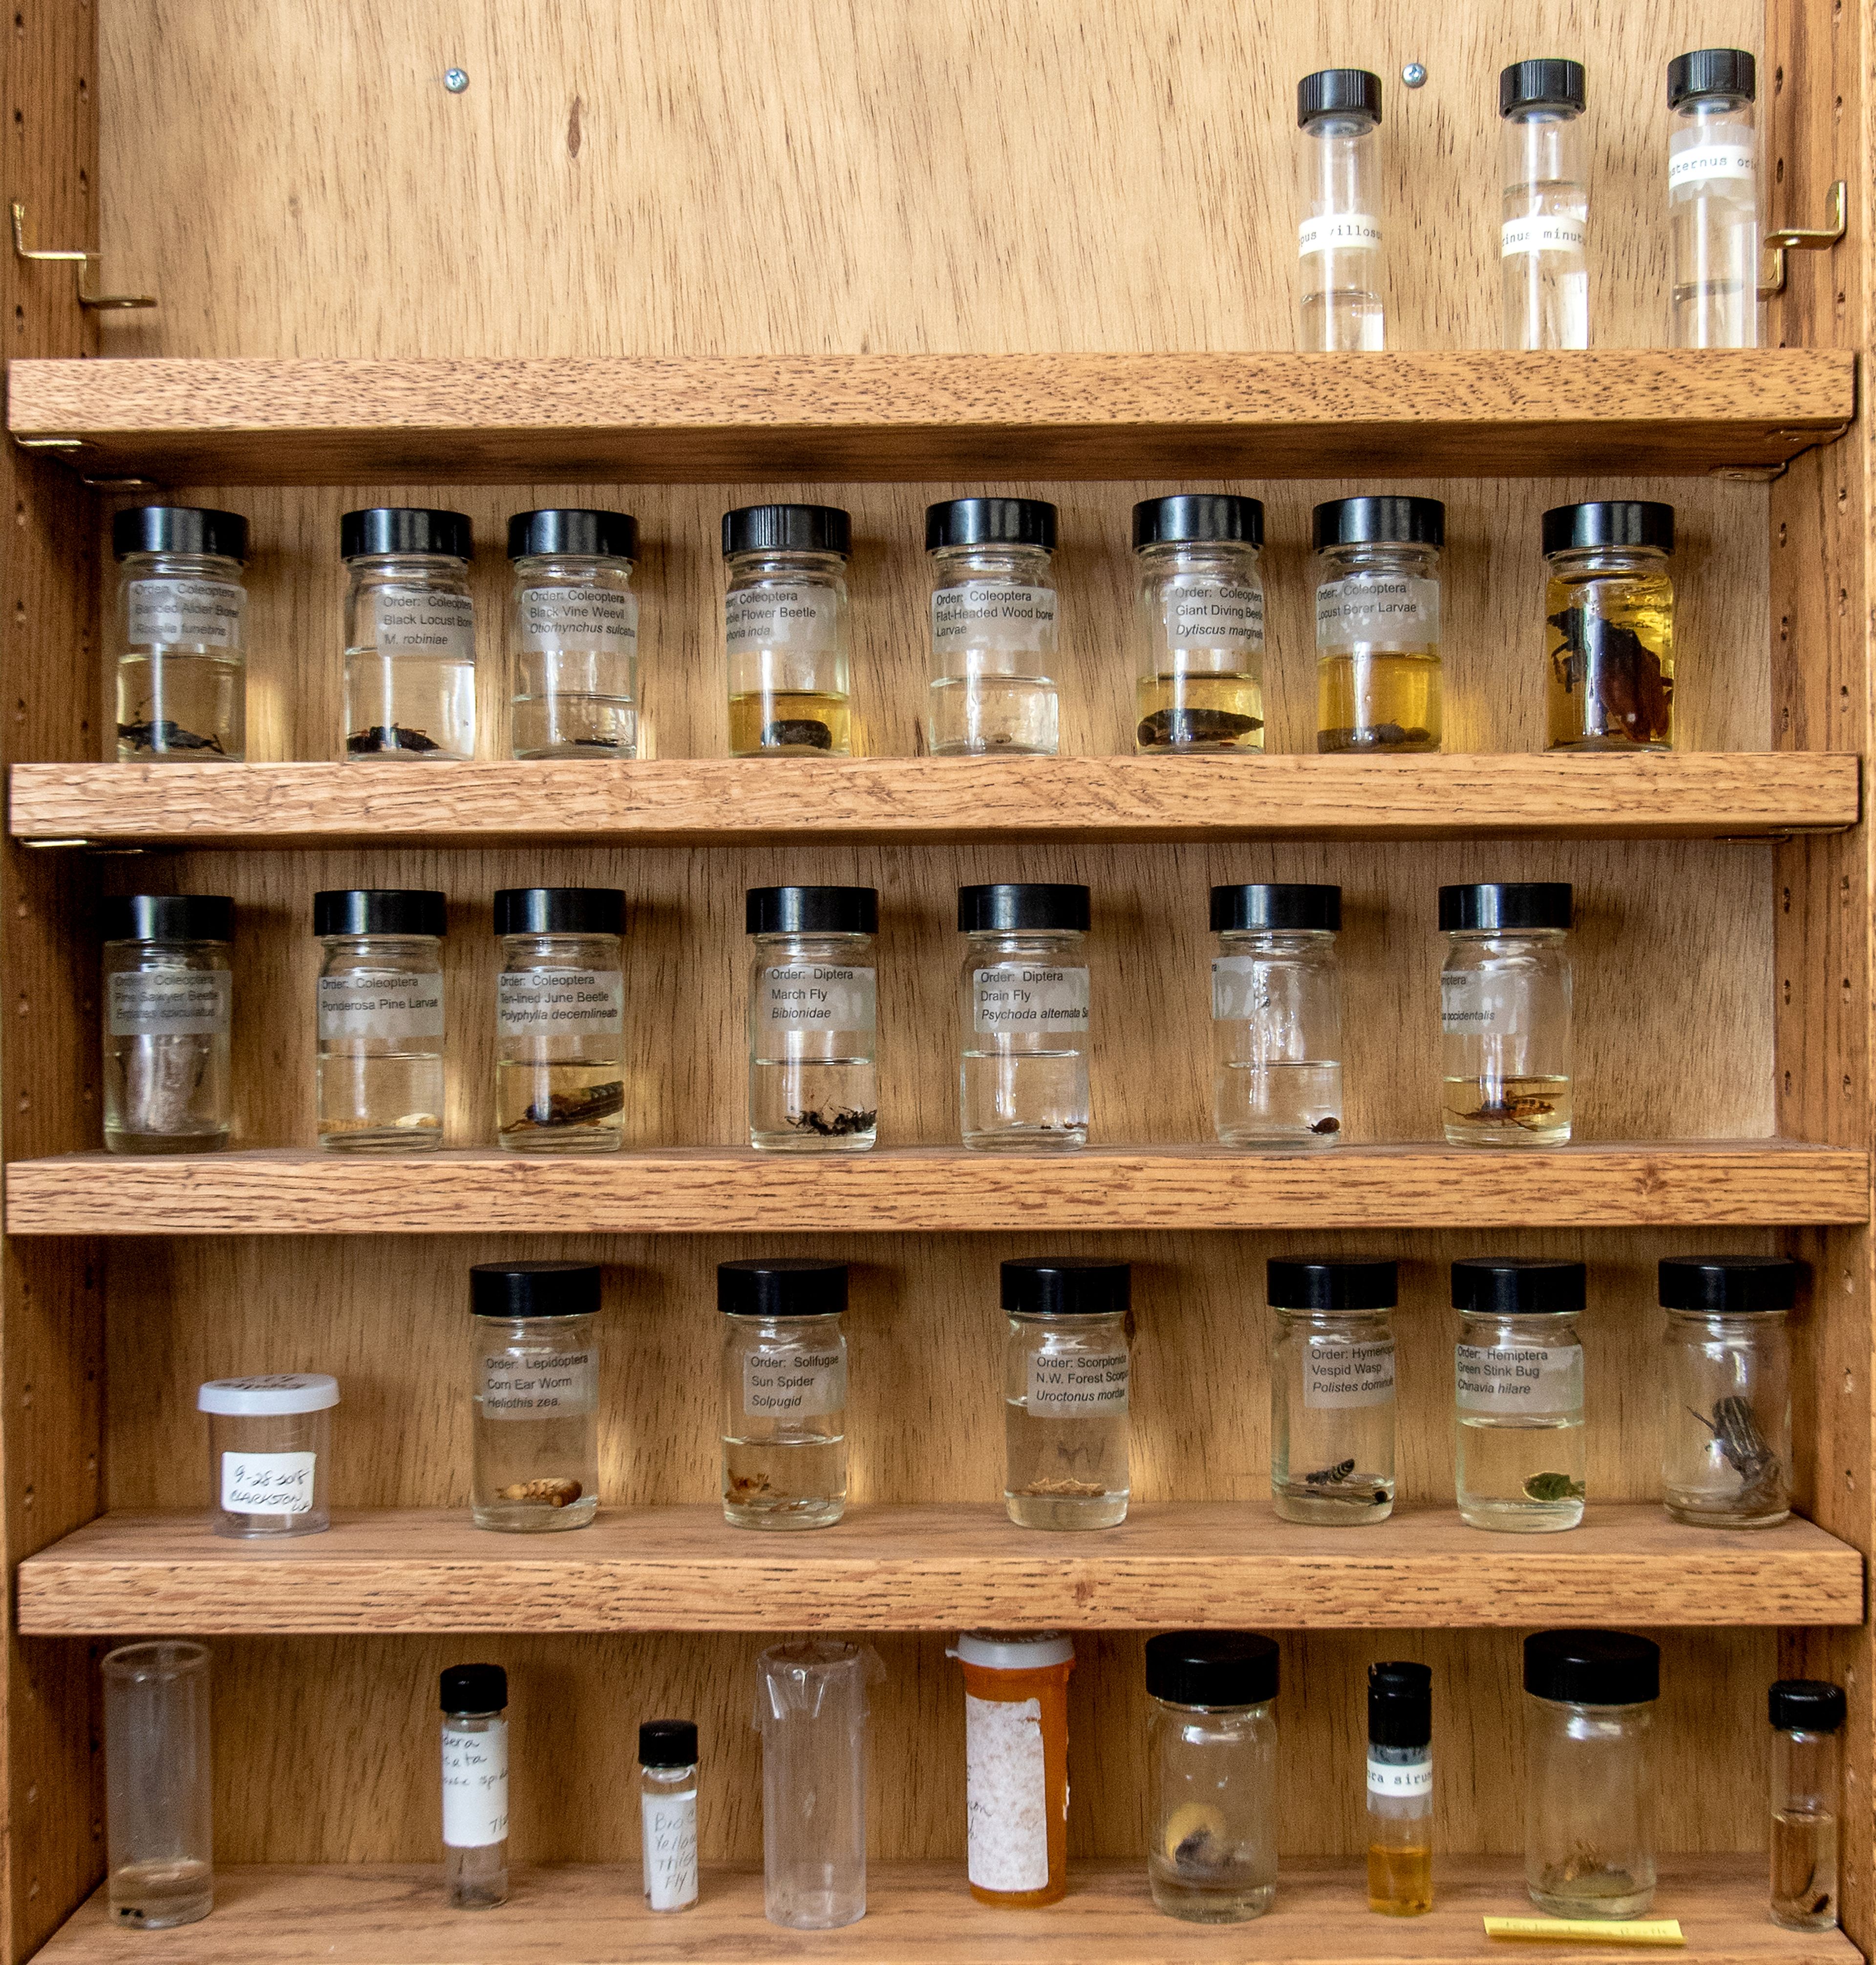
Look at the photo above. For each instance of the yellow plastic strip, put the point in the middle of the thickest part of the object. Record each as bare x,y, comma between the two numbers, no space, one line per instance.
1663,1931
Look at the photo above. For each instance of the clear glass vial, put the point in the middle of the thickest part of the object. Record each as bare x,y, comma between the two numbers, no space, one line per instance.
410,634
1806,1716
1505,1039
159,1821
1023,1074
1519,1458
1609,606
1276,1015
475,1700
169,1000
993,629
1066,1368
574,668
270,1453
668,1812
785,631
1338,203
785,1381
1211,1775
560,1019
1332,1406
381,1019
1377,580
1589,1847
813,1015
1543,232
534,1380
1199,624
181,661
1725,1389
1400,1789
1713,200
1016,1765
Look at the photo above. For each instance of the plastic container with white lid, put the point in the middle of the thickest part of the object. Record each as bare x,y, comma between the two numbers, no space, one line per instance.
1016,1759
269,1451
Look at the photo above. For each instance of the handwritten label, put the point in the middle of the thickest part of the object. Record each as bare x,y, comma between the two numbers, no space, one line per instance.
1518,236
1394,1780
799,1383
594,620
1348,1374
1519,1377
267,1484
813,996
1063,1384
1016,996
1339,232
1006,1794
805,620
583,1003
1225,616
413,621
205,613
554,1387
996,614
1700,163
395,1009
668,1826
172,1003
1377,607
476,1785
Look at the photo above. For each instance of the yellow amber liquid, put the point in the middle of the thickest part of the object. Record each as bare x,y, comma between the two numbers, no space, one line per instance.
1371,698
1200,711
1610,670
1400,1880
799,723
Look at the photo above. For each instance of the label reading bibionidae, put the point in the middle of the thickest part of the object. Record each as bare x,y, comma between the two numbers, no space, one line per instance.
205,612
1518,236
586,619
1393,1781
801,1384
475,1786
267,1484
669,1825
1699,162
397,1009
1348,1374
1239,988
173,1003
1006,1795
1065,1384
579,1002
1519,1377
1475,1004
1339,232
1384,607
815,996
1224,616
1017,996
995,614
805,620
412,621
560,1387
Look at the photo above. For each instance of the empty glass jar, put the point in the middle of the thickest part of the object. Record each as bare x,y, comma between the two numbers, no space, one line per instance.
784,1390
1023,1076
1609,605
560,1074
1276,1016
993,629
1338,190
785,631
381,1019
1065,1371
813,1010
1332,1404
169,998
1199,621
575,665
410,634
270,1453
1506,1041
1377,578
535,1372
182,665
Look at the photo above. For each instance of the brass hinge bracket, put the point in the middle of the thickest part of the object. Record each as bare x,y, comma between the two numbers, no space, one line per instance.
1798,240
78,260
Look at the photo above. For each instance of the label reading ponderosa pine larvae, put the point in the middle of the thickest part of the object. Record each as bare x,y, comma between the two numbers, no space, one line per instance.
1021,996
396,1009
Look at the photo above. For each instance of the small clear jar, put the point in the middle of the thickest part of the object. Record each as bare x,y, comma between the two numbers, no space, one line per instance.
1400,1789
410,635
1712,200
168,1000
560,1020
182,662
1332,1405
784,1392
1065,1370
574,668
1589,1847
1199,624
534,1380
1276,1016
1377,581
1506,1044
785,631
1725,1389
1519,1462
1338,196
813,1015
668,1812
1543,233
1211,1775
1806,1716
1023,1073
1609,607
993,629
270,1453
1016,1765
159,1815
381,1019
475,1700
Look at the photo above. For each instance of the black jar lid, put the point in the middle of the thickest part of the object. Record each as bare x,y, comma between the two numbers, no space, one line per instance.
406,528
1494,907
1805,1705
168,918
787,529
1276,905
1548,84
1609,522
1387,521
990,521
1400,1704
811,910
560,911
1592,1668
1730,1285
1712,72
1198,518
1314,1283
179,528
781,1286
667,1743
1010,907
534,1289
381,911
573,531
1067,1286
1337,92
474,1688
1211,1667
1514,1286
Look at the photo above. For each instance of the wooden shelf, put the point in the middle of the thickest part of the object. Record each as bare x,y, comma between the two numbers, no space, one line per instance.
726,801
1467,413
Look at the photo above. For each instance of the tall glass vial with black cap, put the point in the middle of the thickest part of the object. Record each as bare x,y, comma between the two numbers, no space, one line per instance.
1338,194
1609,607
1713,200
1806,1716
560,1008
575,663
181,669
169,998
474,1701
1199,624
1276,1015
1377,576
1505,990
1332,1407
1065,1370
1400,1789
534,1375
813,1008
785,631
1023,1081
994,663
668,1812
1725,1389
380,1019
410,634
1543,232
784,1391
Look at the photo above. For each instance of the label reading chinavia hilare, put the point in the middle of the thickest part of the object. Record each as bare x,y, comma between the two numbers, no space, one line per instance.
476,1785
558,1388
1396,1781
1700,163
817,996
1518,236
267,1484
201,613
804,620
172,1003
1224,616
1339,232
1064,1383
1335,1376
1006,1795
800,1383
1519,1377
592,620
412,621
995,615
1019,996
1396,609
580,1002
396,1009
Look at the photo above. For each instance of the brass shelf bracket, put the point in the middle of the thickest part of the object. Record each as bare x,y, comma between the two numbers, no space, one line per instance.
80,261
1800,240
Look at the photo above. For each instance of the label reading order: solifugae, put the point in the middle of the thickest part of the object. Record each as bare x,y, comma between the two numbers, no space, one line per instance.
794,1384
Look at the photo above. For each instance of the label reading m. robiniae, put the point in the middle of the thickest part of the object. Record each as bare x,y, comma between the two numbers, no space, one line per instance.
995,614
581,1002
171,1003
817,996
413,621
1519,1377
1348,1374
267,1484
1377,607
396,1009
1066,1383
476,1785
1025,996
595,620
560,1387
801,1384
204,613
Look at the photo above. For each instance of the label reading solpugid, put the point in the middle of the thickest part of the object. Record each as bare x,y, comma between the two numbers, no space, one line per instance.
803,619
1022,996
1225,616
1542,235
800,1383
172,1003
396,1009
413,621
588,619
817,996
1064,1383
1519,1377
476,1785
1348,1374
538,1387
206,613
1339,232
580,1002
994,614
1386,607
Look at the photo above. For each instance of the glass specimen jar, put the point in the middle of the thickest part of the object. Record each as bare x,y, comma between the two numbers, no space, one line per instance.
993,629
1589,1848
1065,1380
381,1019
182,663
159,1821
1713,200
1212,1790
560,1019
1505,1040
169,999
785,631
474,1698
784,1380
410,634
1276,1016
668,1812
1016,1765
1544,230
575,665
534,1377
1400,1789
1377,575
813,1012
270,1453
1609,605
1023,1074
1519,1458
1338,194
1200,624
1726,1390
1332,1391
1806,1716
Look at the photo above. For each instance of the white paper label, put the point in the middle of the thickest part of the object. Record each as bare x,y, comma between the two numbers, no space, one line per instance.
1377,607
582,1003
1016,997
1519,1377
587,619
1063,1384
669,1839
810,996
1239,988
558,1388
1006,1794
1339,232
1471,1005
1348,1374
411,1006
1394,1782
1519,235
1224,616
205,612
1700,162
267,1484
805,620
412,621
172,1003
994,614
475,1787
799,1383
